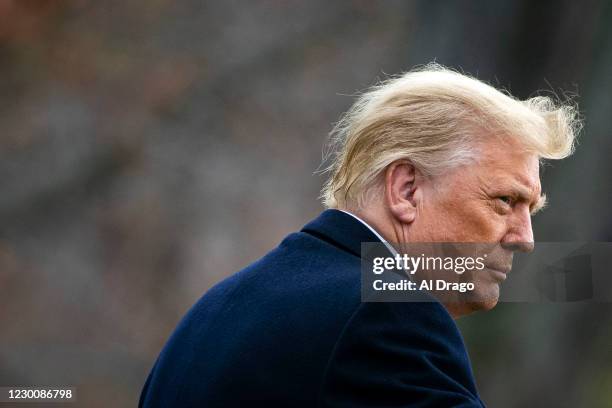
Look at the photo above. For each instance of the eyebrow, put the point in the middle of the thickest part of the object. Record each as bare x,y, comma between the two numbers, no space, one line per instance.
539,205
524,194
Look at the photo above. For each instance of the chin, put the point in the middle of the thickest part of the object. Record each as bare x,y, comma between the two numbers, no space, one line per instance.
484,296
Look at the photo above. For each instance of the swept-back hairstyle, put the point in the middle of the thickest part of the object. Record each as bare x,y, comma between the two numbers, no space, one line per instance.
433,116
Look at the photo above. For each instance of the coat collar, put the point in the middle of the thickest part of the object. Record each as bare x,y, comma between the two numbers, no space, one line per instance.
341,230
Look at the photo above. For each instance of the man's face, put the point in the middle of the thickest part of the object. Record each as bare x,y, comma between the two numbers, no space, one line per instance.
487,202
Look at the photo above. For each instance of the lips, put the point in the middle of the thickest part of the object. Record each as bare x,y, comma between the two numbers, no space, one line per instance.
499,272
503,269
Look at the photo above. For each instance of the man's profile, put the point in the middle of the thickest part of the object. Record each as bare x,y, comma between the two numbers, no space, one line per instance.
429,156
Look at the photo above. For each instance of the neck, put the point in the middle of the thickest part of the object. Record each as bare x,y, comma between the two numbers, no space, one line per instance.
379,219
393,233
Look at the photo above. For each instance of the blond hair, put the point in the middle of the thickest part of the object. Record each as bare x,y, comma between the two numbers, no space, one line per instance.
431,117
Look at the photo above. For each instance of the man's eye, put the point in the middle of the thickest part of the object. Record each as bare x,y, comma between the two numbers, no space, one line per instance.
506,199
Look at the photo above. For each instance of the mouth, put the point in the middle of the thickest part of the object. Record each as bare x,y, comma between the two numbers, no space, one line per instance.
499,273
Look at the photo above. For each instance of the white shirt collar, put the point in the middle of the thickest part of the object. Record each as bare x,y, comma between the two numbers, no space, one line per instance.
388,245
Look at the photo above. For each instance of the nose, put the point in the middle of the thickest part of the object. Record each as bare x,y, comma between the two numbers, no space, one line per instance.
520,234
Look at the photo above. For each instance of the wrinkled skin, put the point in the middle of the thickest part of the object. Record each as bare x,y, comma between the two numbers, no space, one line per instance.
490,201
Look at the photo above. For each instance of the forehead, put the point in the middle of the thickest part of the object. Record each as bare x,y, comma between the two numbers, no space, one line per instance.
504,161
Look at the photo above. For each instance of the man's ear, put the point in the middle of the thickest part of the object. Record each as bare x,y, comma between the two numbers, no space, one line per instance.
400,178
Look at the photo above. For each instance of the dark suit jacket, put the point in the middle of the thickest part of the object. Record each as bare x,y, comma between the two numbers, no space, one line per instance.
290,330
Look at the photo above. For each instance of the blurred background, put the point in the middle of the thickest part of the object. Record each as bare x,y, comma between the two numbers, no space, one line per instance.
148,149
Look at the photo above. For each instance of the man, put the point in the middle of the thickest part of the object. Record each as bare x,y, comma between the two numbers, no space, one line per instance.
430,156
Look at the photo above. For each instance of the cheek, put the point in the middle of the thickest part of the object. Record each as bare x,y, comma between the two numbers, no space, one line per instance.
472,221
